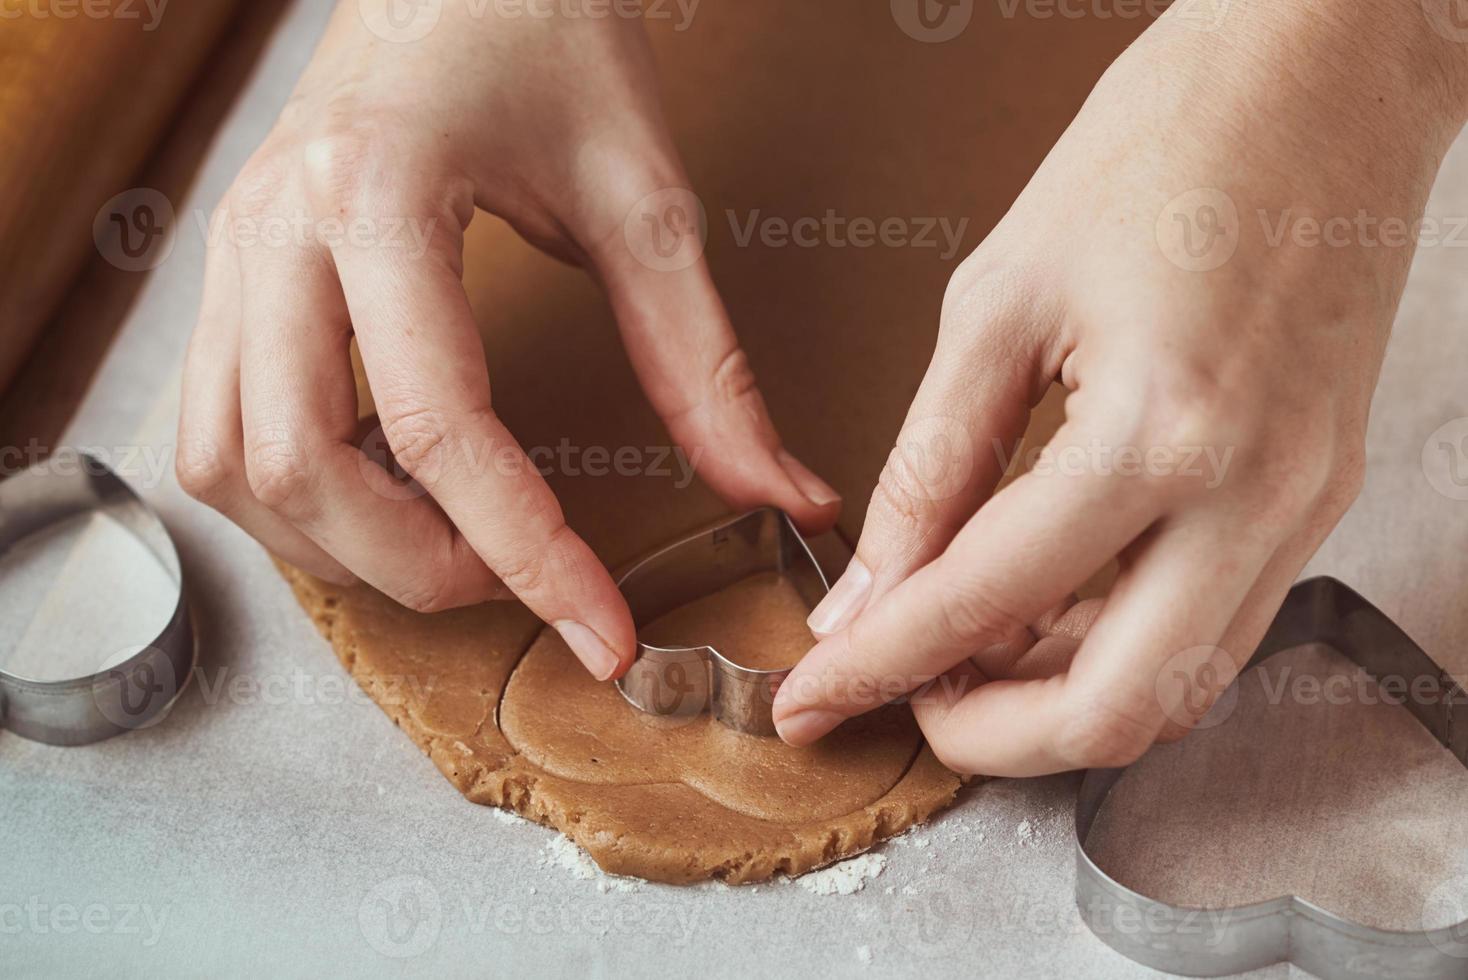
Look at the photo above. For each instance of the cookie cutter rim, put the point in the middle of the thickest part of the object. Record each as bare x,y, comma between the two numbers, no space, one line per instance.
138,690
686,681
1286,928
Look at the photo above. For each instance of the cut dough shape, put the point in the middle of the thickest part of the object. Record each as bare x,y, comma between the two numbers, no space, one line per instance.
758,622
597,737
669,800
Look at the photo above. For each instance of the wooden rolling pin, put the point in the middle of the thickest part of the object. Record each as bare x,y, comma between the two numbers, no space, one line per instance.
85,92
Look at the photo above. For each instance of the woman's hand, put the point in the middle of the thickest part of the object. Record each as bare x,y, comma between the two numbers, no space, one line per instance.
349,220
1210,259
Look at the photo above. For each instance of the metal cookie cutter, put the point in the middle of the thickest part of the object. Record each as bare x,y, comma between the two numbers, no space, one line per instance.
119,698
1215,942
684,681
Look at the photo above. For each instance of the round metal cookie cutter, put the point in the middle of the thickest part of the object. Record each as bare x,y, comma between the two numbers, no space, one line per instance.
685,681
121,697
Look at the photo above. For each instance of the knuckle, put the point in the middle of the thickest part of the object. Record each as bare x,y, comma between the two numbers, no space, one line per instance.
278,471
419,438
337,164
258,189
202,468
527,571
981,293
900,496
931,463
1102,737
967,617
1188,405
733,379
523,573
426,596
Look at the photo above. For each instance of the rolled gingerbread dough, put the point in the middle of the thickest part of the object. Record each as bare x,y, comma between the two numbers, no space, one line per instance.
512,719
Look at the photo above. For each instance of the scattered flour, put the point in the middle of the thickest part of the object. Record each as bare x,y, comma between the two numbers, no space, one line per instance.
507,816
560,853
1025,833
864,954
909,890
889,890
846,877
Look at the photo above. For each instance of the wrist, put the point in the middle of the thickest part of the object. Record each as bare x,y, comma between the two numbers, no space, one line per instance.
1328,80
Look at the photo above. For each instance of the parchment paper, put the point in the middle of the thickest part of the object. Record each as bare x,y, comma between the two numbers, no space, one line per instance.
276,822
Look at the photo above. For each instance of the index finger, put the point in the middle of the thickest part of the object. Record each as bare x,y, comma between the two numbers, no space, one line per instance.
425,365
1022,553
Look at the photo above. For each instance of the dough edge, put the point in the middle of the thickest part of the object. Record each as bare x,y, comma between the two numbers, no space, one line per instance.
627,829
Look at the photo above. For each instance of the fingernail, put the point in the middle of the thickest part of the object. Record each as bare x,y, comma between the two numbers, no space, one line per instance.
807,726
840,606
811,487
589,649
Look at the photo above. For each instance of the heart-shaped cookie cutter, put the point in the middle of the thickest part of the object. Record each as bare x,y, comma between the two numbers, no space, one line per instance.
135,692
686,681
1215,942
